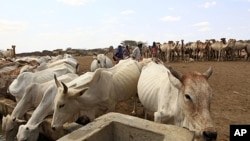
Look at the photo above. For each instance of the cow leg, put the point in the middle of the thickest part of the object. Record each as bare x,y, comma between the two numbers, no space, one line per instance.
162,117
135,104
145,113
157,117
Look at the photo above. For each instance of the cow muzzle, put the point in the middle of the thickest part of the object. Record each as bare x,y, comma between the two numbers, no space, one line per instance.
209,134
53,128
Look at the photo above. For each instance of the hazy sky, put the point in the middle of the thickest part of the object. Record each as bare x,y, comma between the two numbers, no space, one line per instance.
36,25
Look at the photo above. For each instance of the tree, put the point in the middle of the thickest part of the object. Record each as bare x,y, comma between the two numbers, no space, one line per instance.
129,42
248,41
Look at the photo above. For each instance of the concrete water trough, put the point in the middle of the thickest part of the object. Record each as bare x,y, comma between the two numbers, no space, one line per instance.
109,127
120,127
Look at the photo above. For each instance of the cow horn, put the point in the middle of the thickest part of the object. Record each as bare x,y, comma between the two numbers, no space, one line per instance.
65,88
77,67
57,82
209,72
175,73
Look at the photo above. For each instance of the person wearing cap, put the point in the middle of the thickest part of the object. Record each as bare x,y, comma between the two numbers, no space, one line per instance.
136,54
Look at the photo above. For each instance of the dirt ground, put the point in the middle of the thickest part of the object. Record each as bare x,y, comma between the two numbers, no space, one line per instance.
230,82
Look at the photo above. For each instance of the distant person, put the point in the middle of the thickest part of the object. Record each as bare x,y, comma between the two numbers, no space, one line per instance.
136,54
118,54
154,50
126,51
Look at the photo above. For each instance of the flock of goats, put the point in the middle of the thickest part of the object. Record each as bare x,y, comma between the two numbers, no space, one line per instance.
202,51
53,86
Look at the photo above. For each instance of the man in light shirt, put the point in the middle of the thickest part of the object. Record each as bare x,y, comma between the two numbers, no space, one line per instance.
136,54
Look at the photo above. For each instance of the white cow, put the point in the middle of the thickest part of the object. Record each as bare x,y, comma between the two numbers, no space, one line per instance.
71,61
31,98
100,61
30,131
182,100
9,67
30,68
97,96
17,87
55,58
40,59
41,63
53,63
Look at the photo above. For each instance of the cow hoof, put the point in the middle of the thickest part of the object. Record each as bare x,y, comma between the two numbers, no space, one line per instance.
133,113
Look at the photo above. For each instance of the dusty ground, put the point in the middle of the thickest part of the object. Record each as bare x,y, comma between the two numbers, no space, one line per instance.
231,85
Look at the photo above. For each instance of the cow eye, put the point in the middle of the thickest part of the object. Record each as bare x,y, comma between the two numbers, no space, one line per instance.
188,97
62,105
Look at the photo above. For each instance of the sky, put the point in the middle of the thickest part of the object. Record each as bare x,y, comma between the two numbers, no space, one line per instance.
37,25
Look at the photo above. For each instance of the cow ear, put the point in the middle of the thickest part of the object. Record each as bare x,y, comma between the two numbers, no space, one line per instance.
176,82
81,92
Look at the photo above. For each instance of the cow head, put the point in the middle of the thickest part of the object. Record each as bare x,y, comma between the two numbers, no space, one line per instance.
101,60
66,105
194,100
28,132
10,126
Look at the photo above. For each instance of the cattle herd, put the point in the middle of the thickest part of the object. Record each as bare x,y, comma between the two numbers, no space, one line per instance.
54,86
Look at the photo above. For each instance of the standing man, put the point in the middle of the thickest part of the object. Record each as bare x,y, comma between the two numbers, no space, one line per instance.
126,52
136,54
154,50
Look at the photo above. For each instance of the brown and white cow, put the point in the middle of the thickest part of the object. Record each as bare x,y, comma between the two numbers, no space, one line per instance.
182,100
